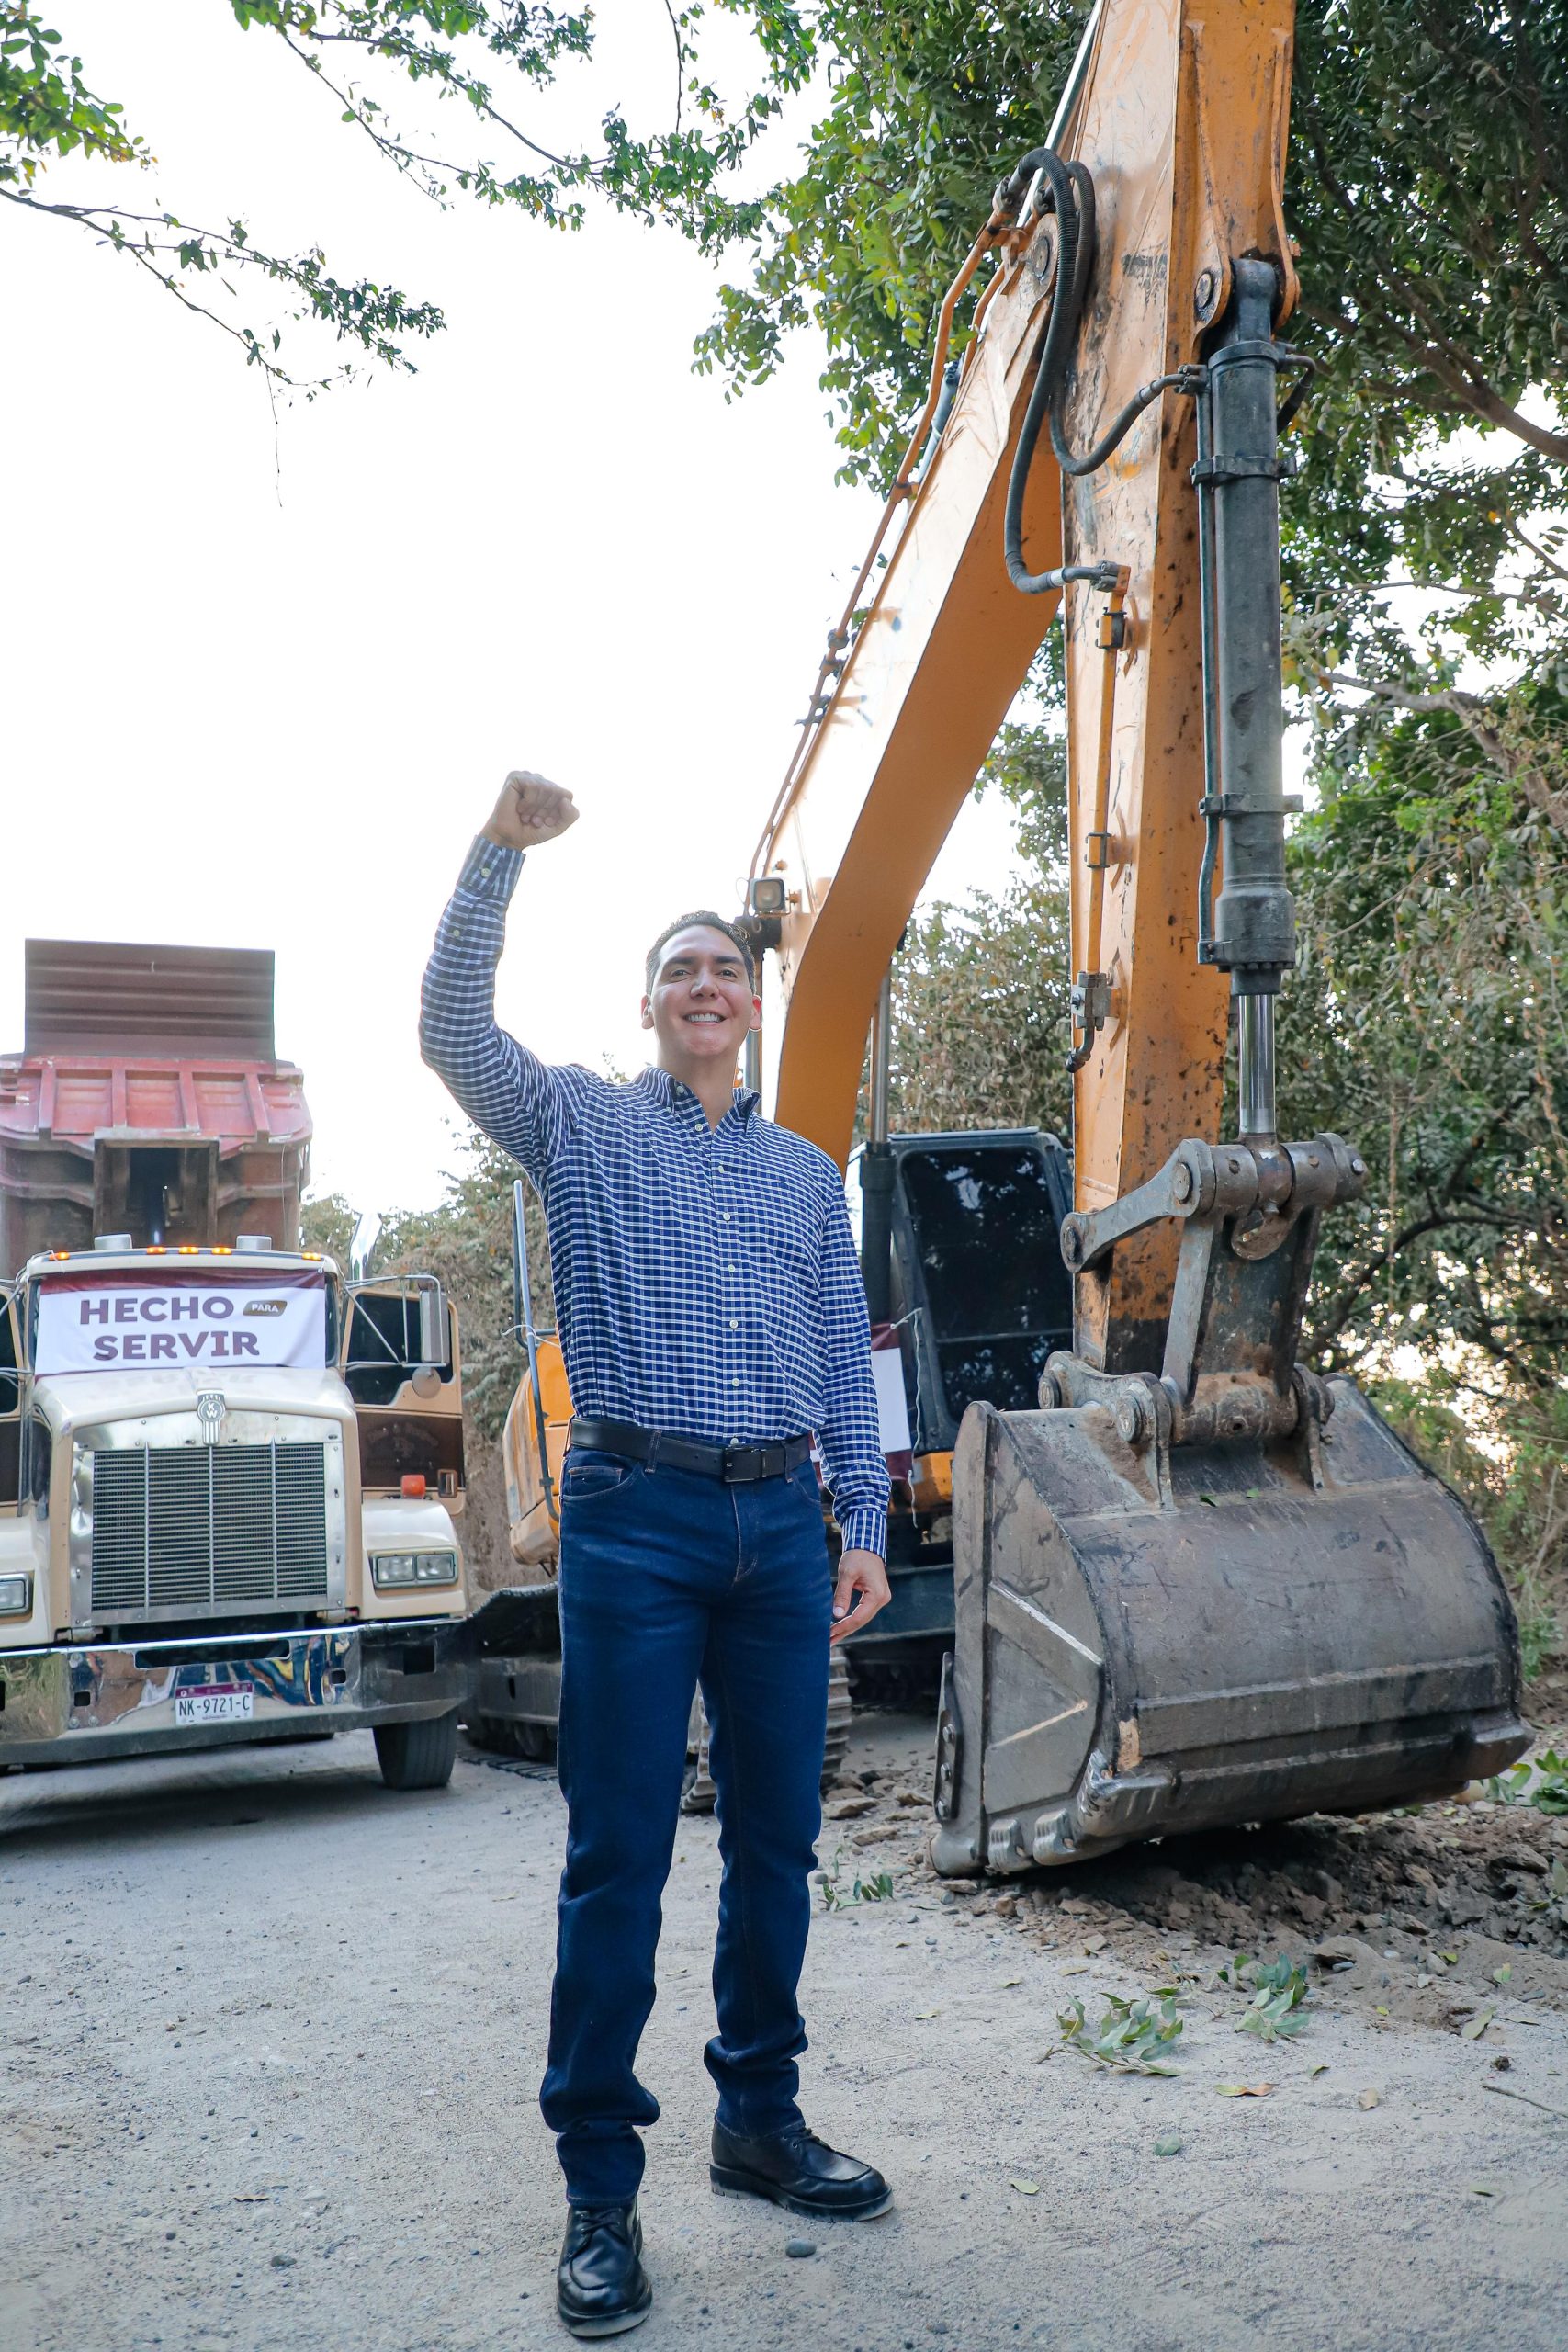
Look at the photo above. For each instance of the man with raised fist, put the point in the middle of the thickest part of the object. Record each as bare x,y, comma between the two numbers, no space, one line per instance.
713,1322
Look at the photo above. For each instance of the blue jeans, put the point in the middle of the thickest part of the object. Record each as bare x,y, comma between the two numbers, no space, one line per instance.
666,1578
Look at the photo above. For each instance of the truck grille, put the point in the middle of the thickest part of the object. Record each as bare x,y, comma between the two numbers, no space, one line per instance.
208,1526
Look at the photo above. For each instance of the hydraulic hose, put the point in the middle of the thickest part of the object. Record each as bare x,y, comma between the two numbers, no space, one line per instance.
1069,194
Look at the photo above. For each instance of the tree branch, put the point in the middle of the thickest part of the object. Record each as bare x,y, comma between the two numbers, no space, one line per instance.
1435,1220
1452,366
367,315
1444,1211
1540,554
1468,709
1473,392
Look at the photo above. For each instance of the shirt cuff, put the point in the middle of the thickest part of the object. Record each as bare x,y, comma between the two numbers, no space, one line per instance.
864,1529
490,871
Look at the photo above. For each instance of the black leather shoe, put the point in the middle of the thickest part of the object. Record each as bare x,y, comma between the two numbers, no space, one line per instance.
799,2171
601,2285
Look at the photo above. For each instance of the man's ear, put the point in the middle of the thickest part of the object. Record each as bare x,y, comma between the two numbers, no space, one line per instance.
756,1020
648,1013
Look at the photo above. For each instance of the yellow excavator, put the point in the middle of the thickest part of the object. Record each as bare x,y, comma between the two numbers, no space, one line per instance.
1194,1584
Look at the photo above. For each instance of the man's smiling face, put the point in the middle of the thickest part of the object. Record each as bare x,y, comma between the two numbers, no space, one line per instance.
701,1006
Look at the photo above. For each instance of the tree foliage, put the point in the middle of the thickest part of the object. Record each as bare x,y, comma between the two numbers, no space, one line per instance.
979,1016
453,95
1427,1020
980,1031
466,1241
929,102
1427,188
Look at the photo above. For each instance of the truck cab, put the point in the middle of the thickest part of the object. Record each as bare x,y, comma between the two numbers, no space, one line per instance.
229,1481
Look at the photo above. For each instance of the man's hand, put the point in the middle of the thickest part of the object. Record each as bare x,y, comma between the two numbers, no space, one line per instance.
531,810
861,1592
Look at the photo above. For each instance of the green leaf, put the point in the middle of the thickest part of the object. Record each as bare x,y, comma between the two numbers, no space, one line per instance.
1129,2035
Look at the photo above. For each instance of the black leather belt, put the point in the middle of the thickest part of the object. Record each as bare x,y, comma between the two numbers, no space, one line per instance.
737,1466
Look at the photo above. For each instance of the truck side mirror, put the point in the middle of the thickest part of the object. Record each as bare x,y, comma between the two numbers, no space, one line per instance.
435,1327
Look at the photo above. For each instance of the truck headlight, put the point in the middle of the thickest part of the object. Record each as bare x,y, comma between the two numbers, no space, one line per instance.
389,1570
15,1596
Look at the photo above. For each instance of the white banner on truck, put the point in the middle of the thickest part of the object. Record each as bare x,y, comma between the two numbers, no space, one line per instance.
111,1324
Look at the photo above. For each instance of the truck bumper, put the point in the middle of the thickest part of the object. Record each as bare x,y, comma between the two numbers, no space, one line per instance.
89,1704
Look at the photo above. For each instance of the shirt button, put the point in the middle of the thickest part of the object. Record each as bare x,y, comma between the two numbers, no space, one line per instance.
735,1383
725,1215
733,1324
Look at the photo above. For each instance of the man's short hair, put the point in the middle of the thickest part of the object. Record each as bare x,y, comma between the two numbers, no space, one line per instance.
709,921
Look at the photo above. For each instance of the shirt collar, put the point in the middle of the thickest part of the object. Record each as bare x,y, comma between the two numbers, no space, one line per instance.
670,1095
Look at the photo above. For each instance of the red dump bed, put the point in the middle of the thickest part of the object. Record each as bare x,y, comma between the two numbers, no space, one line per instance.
147,1099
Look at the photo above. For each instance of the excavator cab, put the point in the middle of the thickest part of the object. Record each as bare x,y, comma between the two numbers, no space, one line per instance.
960,1242
978,1293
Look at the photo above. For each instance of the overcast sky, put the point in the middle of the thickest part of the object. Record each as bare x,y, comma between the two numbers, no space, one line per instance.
263,688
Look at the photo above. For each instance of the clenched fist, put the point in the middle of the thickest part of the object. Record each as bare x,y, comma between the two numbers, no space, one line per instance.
531,810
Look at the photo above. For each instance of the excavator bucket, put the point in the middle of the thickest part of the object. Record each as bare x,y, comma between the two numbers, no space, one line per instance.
1153,1639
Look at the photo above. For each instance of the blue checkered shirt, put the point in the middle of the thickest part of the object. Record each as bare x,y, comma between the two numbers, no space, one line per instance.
705,1278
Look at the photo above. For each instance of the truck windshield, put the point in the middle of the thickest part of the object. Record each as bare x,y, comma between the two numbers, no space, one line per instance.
160,1320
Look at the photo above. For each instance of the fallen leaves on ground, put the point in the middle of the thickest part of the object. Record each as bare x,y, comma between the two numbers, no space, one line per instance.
1279,1989
1131,2035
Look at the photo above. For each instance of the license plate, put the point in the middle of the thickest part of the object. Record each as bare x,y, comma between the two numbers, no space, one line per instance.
215,1702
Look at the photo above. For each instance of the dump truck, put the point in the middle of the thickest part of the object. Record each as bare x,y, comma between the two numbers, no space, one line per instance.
230,1479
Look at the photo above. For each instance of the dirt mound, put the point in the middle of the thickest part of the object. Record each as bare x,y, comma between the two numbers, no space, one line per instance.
1434,1915
1417,1913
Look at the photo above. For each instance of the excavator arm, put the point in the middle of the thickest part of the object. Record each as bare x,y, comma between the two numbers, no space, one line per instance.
1181,126
1180,1597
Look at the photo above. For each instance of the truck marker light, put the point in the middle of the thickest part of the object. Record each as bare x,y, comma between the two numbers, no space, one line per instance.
190,1250
15,1596
413,1486
157,1249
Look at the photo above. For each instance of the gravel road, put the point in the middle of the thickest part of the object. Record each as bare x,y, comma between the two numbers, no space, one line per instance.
273,2039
